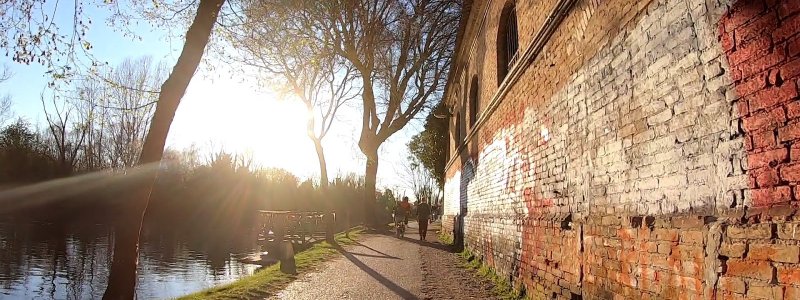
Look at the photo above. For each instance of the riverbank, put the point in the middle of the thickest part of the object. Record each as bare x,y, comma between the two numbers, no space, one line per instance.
269,280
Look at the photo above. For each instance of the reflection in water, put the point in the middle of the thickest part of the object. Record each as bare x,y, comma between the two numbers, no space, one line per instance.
39,260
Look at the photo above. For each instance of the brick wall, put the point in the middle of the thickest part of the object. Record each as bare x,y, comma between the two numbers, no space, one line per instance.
648,152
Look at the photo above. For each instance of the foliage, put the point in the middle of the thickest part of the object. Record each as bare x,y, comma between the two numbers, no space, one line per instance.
430,146
270,280
23,154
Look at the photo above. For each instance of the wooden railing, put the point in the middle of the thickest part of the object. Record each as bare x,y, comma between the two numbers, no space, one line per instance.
281,231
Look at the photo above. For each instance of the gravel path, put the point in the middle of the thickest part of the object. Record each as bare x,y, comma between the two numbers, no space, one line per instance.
386,267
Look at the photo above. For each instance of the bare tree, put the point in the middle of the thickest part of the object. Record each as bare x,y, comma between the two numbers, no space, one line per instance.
68,135
401,51
420,180
5,109
129,101
323,81
5,100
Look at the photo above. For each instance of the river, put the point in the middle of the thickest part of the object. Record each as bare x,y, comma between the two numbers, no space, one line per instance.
71,261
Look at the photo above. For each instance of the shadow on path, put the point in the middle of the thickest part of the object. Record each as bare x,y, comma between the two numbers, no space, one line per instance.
439,246
400,291
373,249
373,255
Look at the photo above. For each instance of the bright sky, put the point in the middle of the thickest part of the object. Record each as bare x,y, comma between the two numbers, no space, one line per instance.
220,111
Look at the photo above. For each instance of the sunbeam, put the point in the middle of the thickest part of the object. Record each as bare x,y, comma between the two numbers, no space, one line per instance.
65,189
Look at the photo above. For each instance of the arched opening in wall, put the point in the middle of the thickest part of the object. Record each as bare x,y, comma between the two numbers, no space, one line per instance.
473,101
459,136
507,41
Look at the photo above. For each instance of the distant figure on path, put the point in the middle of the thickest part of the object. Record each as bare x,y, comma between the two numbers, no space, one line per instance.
405,209
423,217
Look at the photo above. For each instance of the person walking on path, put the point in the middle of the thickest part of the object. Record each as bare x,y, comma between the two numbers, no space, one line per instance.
423,218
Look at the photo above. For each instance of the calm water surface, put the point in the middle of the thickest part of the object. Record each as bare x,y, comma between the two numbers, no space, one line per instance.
48,261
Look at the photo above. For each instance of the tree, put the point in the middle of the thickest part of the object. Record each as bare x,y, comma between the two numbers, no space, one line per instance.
323,81
401,51
429,147
420,180
22,153
67,136
127,102
32,35
122,278
5,109
5,100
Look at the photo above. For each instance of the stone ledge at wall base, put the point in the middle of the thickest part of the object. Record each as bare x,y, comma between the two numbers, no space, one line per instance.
659,257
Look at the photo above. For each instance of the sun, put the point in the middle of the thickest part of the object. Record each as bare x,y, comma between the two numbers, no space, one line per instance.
227,115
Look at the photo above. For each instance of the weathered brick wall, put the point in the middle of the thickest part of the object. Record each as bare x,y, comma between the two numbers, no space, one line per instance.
647,152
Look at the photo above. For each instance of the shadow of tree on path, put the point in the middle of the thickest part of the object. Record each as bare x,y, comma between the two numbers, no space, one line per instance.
400,291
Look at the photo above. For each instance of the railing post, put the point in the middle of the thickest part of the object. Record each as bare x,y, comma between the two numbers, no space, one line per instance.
286,255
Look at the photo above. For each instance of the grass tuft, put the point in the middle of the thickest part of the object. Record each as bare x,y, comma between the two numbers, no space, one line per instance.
269,280
502,287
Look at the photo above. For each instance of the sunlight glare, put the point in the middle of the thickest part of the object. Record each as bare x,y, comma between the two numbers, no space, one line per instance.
228,116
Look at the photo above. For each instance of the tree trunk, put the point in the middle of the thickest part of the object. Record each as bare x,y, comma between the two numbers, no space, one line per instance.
370,177
122,278
329,217
323,166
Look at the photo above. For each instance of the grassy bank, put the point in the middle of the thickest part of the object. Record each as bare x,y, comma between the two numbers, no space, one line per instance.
502,287
270,280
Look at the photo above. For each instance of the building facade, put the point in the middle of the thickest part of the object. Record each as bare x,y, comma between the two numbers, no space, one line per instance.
629,149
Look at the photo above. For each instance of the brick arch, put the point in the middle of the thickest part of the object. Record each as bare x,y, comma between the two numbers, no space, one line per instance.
507,16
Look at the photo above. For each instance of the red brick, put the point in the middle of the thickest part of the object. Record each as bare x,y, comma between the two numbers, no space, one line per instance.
789,27
762,63
764,120
776,253
732,284
750,51
793,46
742,107
765,292
791,292
732,250
789,132
748,143
789,275
766,158
791,172
793,110
771,97
728,41
764,139
760,231
742,13
788,8
749,269
751,85
789,70
771,195
766,177
761,26
796,192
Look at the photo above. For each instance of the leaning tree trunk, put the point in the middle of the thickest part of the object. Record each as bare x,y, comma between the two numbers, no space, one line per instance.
122,280
328,209
323,165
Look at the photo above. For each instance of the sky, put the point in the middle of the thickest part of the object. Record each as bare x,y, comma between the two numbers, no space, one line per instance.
224,110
